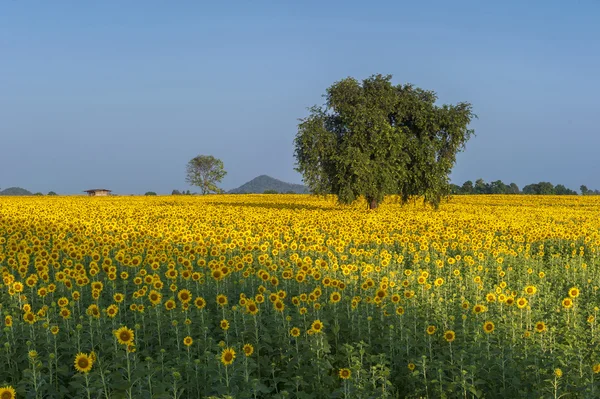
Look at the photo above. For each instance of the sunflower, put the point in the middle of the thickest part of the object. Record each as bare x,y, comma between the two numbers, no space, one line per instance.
184,296
248,350
530,290
170,304
29,317
155,297
221,300
411,366
449,335
317,326
112,311
7,392
224,324
54,330
540,327
227,356
477,309
345,374
200,302
521,303
125,336
279,306
8,321
252,308
574,292
335,297
558,373
188,341
596,368
83,363
567,303
295,332
488,327
399,310
431,330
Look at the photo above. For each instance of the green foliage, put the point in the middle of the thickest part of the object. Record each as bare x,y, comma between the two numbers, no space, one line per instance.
270,192
498,187
546,188
205,171
52,193
372,138
262,183
150,193
16,191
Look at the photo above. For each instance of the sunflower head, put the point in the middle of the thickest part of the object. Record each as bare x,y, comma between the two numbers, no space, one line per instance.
488,327
83,363
227,356
248,350
125,336
345,374
449,335
7,392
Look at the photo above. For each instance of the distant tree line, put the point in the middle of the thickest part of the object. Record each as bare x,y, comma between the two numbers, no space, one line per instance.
499,187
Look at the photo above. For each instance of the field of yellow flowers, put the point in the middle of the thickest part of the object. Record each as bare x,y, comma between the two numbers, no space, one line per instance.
276,296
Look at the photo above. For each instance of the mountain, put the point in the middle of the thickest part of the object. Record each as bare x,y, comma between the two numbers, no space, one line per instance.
15,191
260,184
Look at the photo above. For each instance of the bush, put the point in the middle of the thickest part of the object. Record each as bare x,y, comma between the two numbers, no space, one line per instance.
270,192
52,193
150,193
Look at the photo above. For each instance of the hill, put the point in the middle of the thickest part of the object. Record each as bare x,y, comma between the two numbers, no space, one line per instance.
15,191
260,184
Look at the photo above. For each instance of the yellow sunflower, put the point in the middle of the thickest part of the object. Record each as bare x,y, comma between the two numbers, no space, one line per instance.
125,336
7,392
227,356
317,326
345,374
83,363
248,350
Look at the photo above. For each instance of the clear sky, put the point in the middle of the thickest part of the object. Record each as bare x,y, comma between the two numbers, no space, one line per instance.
121,94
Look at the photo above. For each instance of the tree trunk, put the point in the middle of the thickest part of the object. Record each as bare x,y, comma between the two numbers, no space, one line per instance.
372,202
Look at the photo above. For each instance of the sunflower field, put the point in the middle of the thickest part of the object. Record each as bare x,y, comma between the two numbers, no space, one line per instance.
294,296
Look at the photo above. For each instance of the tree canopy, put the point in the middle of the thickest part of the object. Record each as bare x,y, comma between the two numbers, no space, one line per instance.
205,171
373,138
498,187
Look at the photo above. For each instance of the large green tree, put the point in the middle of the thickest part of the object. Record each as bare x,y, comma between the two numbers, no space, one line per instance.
205,171
373,138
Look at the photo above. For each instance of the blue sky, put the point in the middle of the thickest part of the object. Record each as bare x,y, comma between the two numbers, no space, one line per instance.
121,94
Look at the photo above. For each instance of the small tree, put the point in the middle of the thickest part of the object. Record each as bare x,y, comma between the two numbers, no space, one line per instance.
373,138
584,189
148,193
175,192
467,187
52,193
205,171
